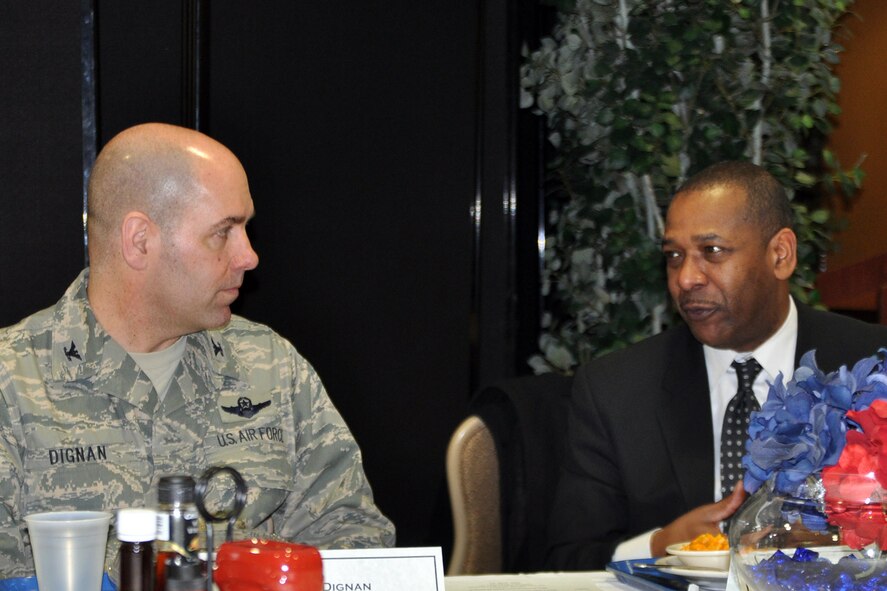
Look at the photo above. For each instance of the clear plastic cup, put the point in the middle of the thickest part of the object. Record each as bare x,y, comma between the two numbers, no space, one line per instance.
69,549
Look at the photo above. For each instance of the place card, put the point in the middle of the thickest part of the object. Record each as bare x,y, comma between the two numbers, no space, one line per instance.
383,569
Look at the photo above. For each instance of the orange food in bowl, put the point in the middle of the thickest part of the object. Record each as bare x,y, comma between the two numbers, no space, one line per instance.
708,542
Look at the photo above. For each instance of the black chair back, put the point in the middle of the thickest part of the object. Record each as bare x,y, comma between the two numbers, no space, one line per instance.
527,417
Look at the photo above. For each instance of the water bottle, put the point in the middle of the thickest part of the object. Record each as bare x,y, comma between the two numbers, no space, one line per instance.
177,523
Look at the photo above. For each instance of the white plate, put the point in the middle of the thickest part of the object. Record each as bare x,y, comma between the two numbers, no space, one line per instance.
706,579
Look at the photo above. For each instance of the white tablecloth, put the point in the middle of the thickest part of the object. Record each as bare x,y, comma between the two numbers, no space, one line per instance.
573,581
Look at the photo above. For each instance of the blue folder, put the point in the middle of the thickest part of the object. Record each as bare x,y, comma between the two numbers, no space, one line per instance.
30,584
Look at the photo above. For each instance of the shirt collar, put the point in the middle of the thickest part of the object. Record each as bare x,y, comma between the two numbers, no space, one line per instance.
776,355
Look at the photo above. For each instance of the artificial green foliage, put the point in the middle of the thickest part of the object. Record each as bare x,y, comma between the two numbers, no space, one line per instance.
637,96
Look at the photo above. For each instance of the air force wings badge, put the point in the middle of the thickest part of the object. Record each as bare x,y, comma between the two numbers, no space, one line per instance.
245,408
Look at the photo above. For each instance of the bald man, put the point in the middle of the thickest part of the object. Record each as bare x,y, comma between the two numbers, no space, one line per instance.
140,370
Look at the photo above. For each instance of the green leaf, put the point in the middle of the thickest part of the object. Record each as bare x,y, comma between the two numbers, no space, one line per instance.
671,166
820,216
672,120
805,178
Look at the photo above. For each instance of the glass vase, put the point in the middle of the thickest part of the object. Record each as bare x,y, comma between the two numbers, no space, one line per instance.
810,538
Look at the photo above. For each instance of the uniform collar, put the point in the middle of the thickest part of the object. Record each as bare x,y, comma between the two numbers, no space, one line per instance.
83,351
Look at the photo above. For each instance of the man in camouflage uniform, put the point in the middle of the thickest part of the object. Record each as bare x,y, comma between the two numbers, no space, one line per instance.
140,370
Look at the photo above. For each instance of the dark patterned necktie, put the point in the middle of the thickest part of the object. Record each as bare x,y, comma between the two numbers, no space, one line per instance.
735,429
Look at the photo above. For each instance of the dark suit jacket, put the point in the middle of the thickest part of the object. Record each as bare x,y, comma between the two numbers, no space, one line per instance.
640,448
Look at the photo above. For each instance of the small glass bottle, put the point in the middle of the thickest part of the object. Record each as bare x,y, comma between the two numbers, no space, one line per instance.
135,530
177,522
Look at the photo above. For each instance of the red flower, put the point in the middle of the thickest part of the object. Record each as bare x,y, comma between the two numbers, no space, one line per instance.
855,485
860,526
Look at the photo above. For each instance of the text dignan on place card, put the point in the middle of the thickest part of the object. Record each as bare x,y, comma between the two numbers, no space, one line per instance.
383,569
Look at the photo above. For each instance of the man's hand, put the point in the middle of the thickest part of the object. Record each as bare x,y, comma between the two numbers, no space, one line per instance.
701,520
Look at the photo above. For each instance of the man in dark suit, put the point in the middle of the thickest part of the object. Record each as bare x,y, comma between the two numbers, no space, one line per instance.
646,423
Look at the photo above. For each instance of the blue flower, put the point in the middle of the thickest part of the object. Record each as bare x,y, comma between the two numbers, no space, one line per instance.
801,428
872,374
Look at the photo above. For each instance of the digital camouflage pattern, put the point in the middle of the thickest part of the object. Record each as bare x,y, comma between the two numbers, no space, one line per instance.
81,428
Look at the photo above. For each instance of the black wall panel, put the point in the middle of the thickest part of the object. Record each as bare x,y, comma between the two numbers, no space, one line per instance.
139,54
41,224
355,124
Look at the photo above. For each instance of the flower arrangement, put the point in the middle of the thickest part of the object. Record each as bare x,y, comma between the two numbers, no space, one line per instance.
823,437
853,499
833,425
802,427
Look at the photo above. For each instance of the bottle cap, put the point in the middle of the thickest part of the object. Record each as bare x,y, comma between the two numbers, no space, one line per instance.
136,525
175,489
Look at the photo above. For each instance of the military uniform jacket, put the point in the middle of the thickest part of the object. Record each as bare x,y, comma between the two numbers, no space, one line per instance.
81,427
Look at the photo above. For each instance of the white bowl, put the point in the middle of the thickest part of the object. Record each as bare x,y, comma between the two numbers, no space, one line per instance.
713,559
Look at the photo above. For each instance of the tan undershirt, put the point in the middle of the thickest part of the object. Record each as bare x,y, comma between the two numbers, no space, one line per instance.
160,366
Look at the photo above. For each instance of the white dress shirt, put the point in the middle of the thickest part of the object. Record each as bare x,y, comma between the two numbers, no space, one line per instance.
776,354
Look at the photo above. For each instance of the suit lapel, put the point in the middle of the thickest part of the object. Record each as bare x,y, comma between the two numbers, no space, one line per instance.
805,340
685,418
